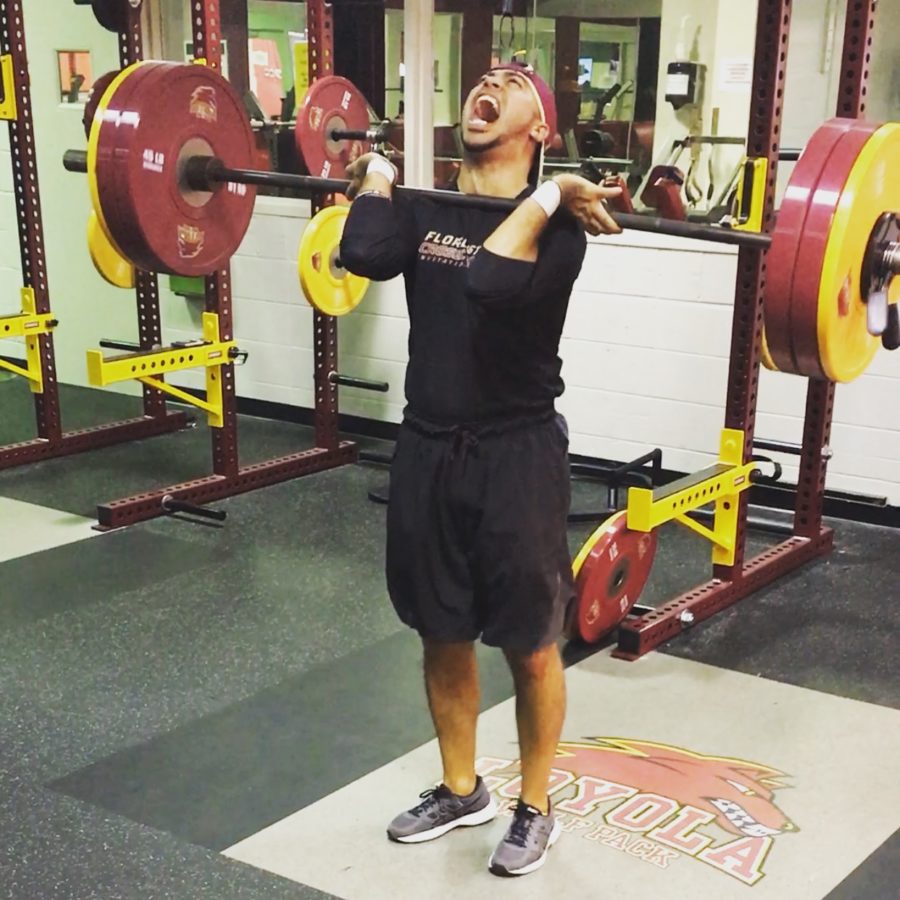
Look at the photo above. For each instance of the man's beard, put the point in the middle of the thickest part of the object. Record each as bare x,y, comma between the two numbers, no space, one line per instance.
480,148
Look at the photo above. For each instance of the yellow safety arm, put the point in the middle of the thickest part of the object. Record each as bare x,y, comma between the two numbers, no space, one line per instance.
750,197
148,367
30,325
8,108
721,484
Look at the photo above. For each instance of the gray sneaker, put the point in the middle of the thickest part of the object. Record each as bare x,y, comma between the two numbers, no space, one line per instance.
441,810
524,846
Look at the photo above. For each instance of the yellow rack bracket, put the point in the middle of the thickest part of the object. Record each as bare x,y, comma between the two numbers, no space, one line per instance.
750,197
8,107
29,324
721,484
210,353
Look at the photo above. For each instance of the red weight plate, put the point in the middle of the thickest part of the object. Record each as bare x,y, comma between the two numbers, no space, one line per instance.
115,192
175,112
811,253
331,103
97,91
110,193
113,14
788,235
611,577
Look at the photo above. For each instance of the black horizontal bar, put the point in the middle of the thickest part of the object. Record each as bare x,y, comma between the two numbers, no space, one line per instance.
173,504
364,383
202,171
778,446
789,154
129,346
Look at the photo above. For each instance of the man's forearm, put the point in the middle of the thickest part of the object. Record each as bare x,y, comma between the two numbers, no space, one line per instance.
517,237
518,234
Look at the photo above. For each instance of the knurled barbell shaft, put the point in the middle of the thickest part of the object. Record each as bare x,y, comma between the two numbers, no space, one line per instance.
201,173
891,258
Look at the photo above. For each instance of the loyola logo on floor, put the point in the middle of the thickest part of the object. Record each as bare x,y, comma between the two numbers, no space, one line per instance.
659,803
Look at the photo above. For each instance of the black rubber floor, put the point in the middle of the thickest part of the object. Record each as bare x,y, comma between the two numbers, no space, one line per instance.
168,689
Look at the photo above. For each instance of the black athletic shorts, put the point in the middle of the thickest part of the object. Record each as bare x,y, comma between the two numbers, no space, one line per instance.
476,535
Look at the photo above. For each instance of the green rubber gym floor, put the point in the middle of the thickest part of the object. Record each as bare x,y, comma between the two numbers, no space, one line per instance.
232,710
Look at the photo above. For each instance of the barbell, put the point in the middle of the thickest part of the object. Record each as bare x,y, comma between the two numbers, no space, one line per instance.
170,156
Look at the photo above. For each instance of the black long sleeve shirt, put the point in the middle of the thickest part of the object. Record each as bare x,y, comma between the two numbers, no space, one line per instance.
484,329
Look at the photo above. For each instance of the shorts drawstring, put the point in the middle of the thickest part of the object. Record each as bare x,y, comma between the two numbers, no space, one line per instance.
463,441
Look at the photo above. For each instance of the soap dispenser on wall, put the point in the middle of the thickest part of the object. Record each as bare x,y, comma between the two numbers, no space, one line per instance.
683,76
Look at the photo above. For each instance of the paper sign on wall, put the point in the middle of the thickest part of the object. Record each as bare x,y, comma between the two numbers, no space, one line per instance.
736,75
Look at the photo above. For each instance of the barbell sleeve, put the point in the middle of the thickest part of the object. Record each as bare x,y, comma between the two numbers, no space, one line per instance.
202,172
75,161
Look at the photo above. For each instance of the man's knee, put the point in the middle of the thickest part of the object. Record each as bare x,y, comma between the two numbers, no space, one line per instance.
536,666
442,657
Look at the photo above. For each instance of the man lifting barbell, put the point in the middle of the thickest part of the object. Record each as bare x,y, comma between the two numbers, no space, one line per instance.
476,536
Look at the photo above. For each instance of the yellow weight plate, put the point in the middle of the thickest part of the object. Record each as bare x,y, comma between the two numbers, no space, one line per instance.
767,360
112,266
845,346
327,286
94,140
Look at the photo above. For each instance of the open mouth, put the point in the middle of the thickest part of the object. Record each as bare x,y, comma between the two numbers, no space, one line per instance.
485,110
742,820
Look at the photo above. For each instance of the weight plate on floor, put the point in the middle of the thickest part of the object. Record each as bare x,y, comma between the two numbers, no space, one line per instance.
112,266
787,238
328,286
331,103
610,572
172,113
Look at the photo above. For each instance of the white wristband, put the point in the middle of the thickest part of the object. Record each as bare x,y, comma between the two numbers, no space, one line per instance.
548,197
379,165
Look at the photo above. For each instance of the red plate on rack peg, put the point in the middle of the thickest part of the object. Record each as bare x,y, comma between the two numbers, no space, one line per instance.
610,572
113,14
331,103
